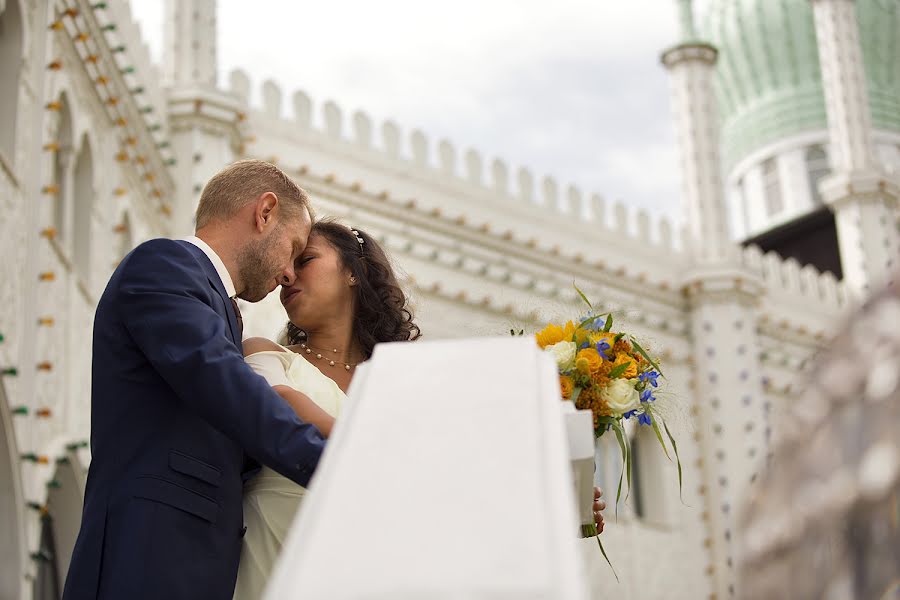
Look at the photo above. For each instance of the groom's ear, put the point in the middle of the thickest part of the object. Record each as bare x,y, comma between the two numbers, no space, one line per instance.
266,209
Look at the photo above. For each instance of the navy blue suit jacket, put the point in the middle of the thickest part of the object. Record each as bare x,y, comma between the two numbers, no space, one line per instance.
175,411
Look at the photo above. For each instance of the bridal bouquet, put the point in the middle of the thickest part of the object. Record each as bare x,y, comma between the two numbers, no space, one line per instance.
610,373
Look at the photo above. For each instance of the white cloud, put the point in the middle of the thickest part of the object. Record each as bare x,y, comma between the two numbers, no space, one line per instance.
571,88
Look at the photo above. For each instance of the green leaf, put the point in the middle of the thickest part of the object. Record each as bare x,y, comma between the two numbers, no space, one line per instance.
620,435
609,323
602,551
583,297
643,353
629,463
627,466
618,337
575,393
602,422
675,447
617,371
590,320
658,432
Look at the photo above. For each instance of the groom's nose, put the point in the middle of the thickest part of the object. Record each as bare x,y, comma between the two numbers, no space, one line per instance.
288,277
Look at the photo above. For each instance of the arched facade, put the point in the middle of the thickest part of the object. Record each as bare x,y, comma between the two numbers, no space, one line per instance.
63,162
84,193
12,505
816,169
11,53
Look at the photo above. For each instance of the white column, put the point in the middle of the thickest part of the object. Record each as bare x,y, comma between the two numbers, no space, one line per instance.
726,392
190,42
862,195
844,82
691,66
202,151
205,123
728,410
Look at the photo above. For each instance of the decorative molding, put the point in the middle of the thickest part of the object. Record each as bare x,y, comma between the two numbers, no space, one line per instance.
702,52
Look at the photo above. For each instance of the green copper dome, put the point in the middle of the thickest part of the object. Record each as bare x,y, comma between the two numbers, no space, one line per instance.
768,81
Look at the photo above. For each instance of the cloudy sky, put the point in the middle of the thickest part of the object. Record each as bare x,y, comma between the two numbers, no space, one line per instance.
570,88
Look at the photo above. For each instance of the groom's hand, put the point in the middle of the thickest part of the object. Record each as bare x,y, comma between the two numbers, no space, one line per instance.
599,505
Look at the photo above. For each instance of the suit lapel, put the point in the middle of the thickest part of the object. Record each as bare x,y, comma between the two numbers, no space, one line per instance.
232,318
217,284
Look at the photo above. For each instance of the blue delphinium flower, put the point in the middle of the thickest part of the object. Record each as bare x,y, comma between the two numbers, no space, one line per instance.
647,396
629,414
597,324
644,419
649,377
602,347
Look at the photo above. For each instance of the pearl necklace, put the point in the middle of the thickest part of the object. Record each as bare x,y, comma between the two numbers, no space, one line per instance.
331,362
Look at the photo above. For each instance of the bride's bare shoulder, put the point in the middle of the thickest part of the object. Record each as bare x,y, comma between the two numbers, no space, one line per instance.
258,344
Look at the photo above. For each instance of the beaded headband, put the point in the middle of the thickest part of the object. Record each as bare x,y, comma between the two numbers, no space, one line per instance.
358,239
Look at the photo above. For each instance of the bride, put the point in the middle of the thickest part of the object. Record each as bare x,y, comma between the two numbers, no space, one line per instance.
345,300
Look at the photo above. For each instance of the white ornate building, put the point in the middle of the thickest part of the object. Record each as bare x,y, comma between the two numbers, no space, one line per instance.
788,119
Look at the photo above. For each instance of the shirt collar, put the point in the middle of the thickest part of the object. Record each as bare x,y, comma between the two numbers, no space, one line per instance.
224,275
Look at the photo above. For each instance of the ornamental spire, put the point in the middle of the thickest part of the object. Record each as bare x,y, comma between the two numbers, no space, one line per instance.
686,19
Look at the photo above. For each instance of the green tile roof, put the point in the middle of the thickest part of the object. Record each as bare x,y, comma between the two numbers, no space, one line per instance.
768,81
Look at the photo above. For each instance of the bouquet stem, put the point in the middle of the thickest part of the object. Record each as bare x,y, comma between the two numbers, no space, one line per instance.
590,530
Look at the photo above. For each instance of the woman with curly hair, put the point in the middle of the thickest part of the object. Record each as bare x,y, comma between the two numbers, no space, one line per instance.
345,300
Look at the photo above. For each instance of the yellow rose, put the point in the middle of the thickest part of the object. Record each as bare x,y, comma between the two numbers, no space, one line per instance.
566,386
631,370
553,334
588,361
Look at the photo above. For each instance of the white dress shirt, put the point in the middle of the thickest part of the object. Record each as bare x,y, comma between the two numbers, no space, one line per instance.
224,275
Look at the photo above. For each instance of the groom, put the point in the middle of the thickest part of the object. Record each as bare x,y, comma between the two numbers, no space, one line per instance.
174,407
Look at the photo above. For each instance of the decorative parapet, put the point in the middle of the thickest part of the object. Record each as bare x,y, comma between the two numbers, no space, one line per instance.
786,278
466,175
199,106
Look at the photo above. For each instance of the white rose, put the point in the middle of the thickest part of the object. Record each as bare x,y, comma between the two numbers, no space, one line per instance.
620,396
564,354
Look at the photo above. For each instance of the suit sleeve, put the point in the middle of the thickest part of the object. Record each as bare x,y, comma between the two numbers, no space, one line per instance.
163,300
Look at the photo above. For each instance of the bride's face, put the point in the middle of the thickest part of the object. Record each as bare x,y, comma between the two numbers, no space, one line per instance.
322,293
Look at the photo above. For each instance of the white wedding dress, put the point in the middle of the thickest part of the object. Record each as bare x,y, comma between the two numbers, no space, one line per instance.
271,500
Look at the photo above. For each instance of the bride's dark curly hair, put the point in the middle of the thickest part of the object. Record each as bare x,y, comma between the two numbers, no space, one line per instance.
382,311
